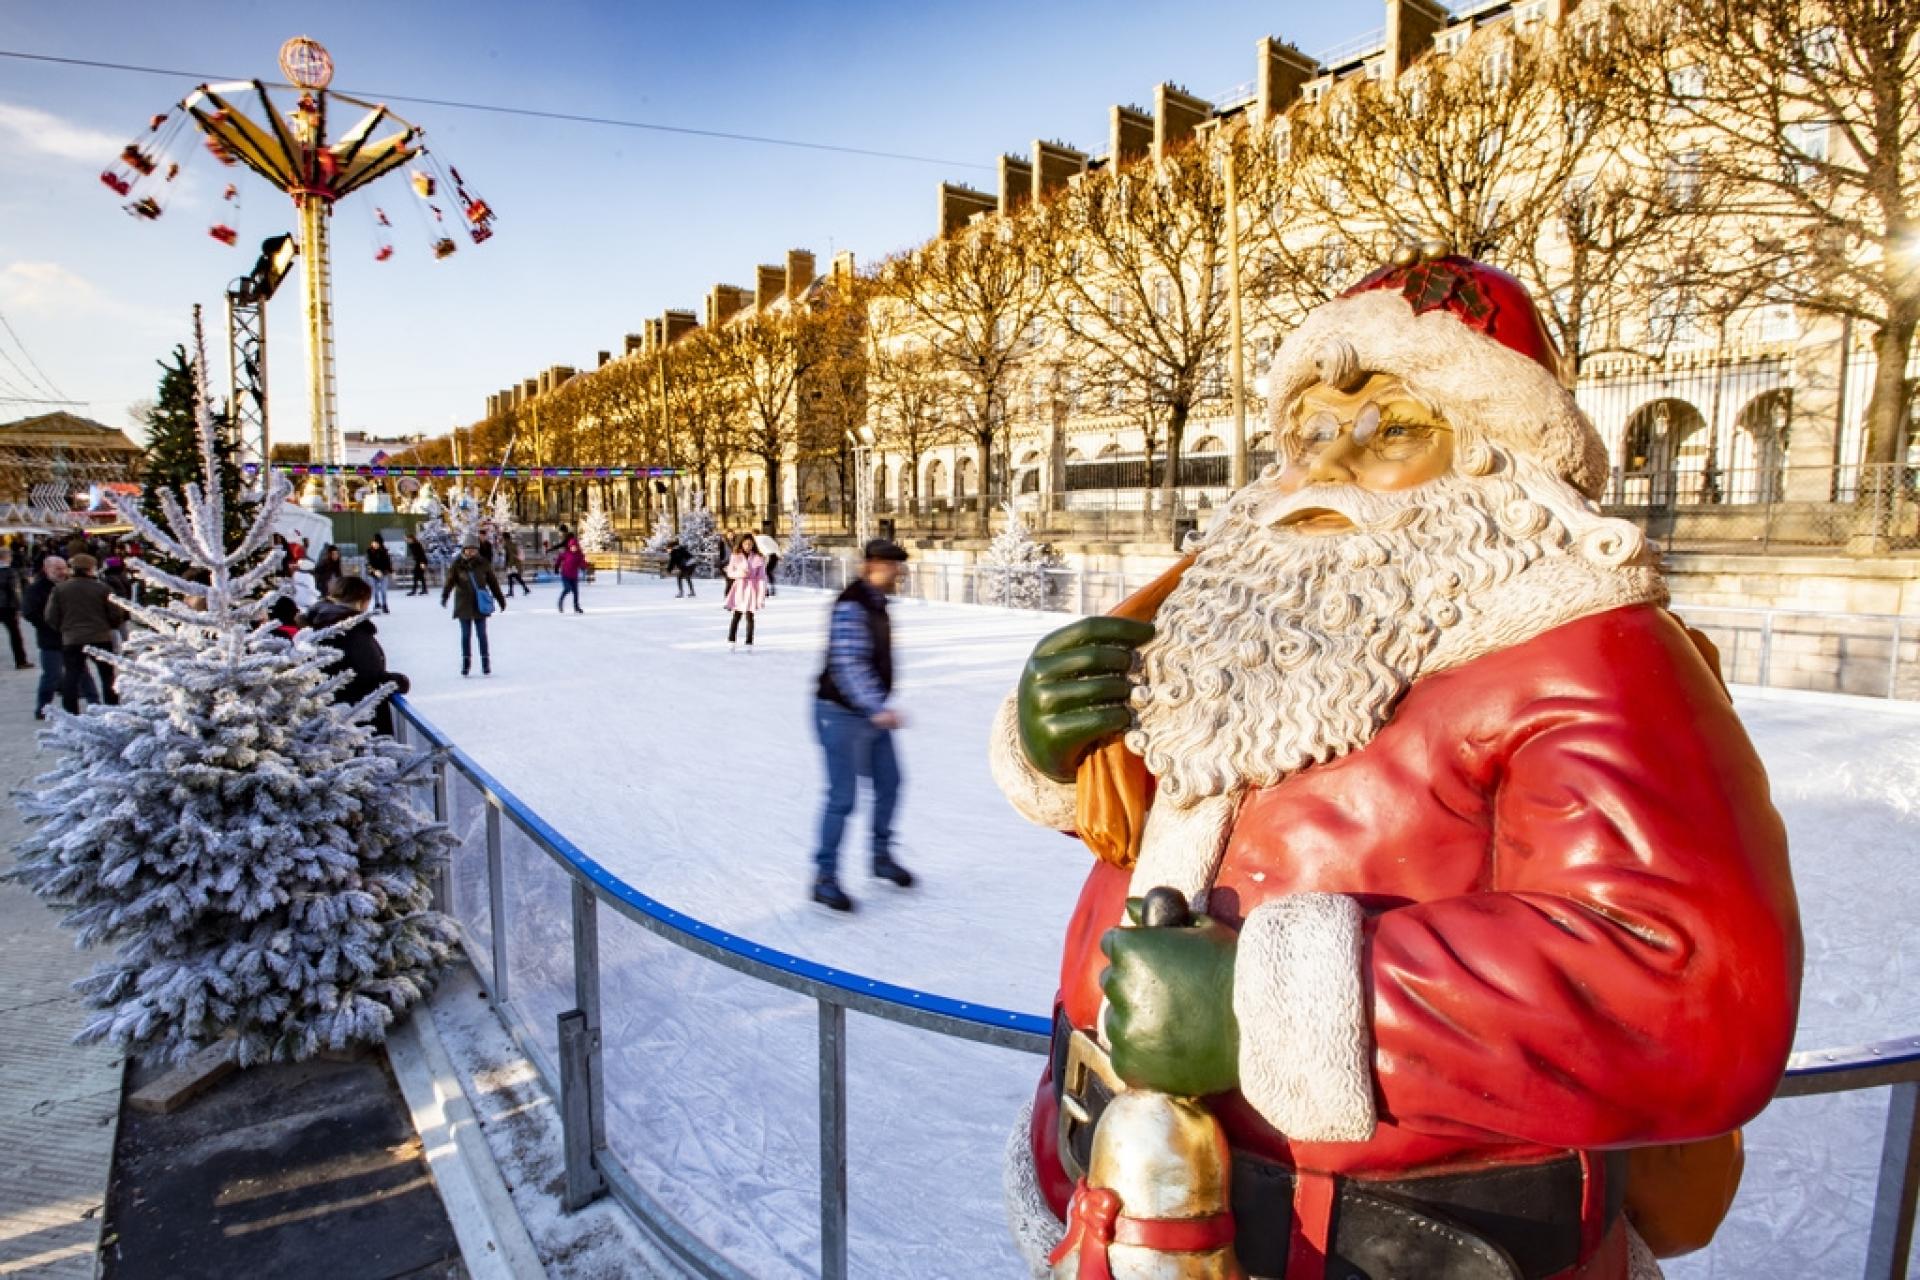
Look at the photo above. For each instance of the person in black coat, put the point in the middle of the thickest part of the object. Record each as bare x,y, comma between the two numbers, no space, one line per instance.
327,569
417,558
359,648
10,593
379,571
53,571
680,565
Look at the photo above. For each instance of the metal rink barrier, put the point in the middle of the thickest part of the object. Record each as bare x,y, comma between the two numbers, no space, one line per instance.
621,990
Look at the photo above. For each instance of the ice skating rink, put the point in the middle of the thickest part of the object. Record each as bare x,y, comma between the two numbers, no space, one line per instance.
692,772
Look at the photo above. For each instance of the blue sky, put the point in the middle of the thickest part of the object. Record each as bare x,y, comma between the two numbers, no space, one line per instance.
598,227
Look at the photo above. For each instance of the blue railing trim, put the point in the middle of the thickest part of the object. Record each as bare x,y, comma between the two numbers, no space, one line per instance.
1804,1065
852,983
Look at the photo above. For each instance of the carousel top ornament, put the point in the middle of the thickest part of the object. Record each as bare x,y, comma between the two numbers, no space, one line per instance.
306,63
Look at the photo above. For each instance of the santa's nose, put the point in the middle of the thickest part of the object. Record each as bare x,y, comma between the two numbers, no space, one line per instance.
1334,463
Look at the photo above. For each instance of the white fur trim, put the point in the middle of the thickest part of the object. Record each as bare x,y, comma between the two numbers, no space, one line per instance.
1033,795
1306,1051
1035,1230
1181,848
1641,1264
1476,382
1549,593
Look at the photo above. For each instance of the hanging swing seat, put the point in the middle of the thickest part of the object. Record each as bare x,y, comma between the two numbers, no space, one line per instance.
224,234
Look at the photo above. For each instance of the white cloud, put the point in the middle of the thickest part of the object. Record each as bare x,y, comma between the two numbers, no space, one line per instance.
38,131
51,288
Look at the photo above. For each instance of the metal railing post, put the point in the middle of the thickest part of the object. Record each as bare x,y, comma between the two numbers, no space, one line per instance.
497,902
833,1141
1893,663
583,1123
443,875
1766,648
578,1044
1891,1237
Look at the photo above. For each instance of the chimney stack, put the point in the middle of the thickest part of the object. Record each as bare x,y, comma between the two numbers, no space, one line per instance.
724,301
1411,27
799,273
1016,183
959,204
678,325
1176,114
1284,73
768,284
1130,135
1054,164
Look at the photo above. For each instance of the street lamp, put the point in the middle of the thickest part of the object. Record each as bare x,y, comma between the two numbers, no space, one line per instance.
862,440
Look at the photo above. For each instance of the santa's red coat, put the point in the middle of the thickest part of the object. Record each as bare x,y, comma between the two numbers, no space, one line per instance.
1581,930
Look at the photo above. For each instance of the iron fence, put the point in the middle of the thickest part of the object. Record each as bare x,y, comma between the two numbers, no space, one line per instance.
1871,508
529,905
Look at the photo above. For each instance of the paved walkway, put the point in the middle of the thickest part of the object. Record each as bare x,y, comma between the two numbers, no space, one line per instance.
57,1101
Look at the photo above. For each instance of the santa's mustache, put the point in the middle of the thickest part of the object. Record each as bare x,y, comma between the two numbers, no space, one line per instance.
1366,510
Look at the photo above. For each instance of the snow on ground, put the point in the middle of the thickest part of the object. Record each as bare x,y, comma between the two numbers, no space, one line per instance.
692,772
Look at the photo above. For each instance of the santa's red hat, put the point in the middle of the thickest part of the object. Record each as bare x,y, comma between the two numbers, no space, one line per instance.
1460,334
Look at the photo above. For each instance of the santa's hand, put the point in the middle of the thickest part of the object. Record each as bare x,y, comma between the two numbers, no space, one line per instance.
1073,691
1170,1020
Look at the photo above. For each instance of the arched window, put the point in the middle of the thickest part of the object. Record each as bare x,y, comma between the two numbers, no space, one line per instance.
1759,464
936,486
1663,456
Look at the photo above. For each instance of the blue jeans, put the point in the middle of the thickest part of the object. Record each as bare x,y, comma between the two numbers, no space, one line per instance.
380,591
53,669
569,587
854,746
467,627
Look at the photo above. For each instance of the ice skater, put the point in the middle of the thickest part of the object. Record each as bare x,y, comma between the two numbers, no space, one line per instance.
469,581
746,588
514,564
417,558
855,724
570,564
680,565
379,571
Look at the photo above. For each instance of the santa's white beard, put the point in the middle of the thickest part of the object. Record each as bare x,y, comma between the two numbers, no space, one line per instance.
1281,649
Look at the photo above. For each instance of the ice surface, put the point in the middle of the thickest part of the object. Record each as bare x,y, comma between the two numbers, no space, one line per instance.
692,772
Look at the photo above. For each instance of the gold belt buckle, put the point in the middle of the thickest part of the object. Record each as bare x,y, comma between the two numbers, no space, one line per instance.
1086,1062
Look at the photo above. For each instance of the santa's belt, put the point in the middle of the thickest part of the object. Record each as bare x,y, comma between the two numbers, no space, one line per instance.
1509,1222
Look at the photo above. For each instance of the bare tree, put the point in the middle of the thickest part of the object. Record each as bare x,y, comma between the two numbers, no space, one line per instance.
765,359
913,402
705,407
971,297
1140,260
1807,117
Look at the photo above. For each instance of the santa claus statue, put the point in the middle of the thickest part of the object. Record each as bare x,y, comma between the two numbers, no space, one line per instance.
1482,940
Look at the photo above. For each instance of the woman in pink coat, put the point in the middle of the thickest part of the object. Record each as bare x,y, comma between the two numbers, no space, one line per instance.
746,587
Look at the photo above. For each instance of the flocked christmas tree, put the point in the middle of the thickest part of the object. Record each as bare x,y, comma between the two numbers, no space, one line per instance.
500,512
701,536
596,531
663,533
435,534
796,563
1013,572
244,843
462,515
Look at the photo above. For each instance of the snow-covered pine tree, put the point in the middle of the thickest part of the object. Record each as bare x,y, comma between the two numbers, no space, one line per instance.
596,531
500,512
462,515
701,535
245,843
662,533
795,563
1013,572
435,534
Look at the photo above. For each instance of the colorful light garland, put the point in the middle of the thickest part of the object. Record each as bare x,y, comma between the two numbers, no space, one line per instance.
374,471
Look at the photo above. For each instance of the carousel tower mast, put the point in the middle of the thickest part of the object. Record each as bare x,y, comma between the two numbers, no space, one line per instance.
292,151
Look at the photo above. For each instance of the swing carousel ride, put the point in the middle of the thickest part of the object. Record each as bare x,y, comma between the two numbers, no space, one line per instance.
293,153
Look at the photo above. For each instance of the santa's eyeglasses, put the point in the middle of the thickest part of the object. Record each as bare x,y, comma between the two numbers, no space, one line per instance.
1373,429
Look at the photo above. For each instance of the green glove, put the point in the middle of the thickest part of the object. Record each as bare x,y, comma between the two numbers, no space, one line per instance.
1170,1005
1073,691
